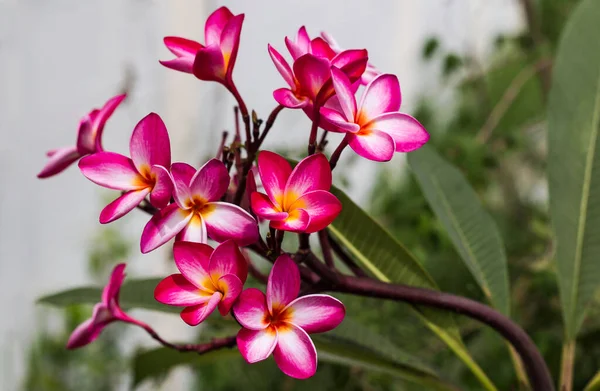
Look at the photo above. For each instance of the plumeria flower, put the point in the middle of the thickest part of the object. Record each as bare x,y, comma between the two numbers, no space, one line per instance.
215,60
297,200
302,44
375,128
209,279
89,139
280,323
105,312
197,212
370,73
143,174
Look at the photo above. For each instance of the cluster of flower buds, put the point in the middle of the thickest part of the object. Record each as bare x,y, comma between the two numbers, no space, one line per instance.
192,205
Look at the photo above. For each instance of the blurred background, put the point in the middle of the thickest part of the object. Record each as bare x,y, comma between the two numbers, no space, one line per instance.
475,73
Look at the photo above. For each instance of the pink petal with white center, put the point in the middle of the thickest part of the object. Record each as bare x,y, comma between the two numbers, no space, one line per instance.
150,143
282,66
178,291
344,93
338,120
317,313
182,174
163,226
111,290
251,309
274,172
283,285
59,160
230,41
256,345
89,330
215,24
195,231
192,260
228,221
209,64
112,170
182,47
287,98
227,259
211,181
122,205
382,95
163,187
312,173
312,72
231,287
295,353
102,115
407,132
373,145
320,48
264,208
195,315
298,220
322,207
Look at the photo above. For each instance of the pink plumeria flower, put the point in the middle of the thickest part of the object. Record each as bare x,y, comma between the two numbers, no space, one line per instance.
297,200
370,73
302,44
280,322
89,139
215,60
105,312
197,212
143,174
375,128
209,279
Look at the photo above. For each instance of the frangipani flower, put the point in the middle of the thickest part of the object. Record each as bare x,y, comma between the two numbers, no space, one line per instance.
143,174
375,128
280,323
370,73
105,312
89,139
215,61
197,211
209,279
297,200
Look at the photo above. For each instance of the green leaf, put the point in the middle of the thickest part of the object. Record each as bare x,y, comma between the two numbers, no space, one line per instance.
386,259
134,294
471,229
574,162
594,384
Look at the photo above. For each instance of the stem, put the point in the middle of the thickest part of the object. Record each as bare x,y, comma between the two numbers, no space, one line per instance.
214,344
335,156
345,258
322,142
566,366
278,240
243,109
312,141
256,123
326,248
269,124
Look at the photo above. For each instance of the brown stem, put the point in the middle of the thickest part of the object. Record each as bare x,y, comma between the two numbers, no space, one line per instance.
312,140
326,248
256,123
323,142
243,110
214,344
269,124
278,240
345,258
335,156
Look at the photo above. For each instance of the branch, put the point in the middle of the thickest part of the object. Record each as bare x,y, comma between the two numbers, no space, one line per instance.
269,124
326,248
344,257
214,344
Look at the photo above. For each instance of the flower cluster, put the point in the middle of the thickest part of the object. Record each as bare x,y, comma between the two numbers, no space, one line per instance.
193,205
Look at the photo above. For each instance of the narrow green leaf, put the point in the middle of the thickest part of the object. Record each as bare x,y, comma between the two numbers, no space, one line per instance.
386,259
471,229
594,384
574,162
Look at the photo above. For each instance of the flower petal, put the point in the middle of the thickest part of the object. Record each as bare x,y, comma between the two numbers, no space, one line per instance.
339,122
196,314
312,173
373,145
150,144
282,66
352,62
89,330
320,48
181,64
122,205
194,231
256,345
163,187
209,64
211,181
192,260
86,134
264,208
163,226
251,309
286,98
59,160
182,174
283,285
312,72
227,259
382,95
102,115
176,290
274,172
322,207
298,220
230,41
112,170
295,353
295,49
345,93
227,221
215,24
407,132
182,47
317,313
231,287
111,290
